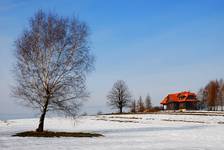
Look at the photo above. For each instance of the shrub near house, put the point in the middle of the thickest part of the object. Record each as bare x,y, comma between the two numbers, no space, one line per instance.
181,100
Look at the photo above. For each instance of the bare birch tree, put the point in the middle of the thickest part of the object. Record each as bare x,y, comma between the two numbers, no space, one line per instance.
52,61
119,97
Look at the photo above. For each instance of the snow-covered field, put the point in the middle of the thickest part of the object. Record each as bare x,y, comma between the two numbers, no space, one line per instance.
121,132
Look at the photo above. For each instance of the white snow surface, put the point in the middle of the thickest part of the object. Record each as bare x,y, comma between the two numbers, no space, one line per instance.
121,132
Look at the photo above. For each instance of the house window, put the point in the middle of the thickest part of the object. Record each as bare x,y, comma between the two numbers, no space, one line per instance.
191,97
182,97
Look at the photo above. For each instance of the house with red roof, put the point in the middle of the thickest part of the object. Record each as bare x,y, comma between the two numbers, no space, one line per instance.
181,100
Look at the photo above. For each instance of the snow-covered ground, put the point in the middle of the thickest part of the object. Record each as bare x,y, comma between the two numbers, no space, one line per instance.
121,132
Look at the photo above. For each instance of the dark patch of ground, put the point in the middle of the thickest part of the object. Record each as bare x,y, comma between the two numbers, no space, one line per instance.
56,134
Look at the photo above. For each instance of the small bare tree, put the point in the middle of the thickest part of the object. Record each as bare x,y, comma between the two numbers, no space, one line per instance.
52,60
119,97
133,106
148,102
212,90
140,105
220,95
202,97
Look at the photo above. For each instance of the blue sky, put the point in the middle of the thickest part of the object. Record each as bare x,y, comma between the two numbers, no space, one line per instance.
156,46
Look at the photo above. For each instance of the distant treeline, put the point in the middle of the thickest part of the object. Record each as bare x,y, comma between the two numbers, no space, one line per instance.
211,97
141,105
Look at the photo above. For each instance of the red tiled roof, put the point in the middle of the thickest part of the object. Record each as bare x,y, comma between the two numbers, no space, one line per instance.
179,97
